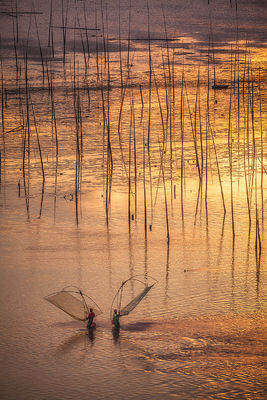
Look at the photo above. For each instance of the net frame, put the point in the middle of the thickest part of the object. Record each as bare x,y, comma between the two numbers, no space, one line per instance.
118,298
73,302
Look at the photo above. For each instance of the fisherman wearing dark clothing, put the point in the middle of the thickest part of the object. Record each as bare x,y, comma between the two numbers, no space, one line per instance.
90,318
116,319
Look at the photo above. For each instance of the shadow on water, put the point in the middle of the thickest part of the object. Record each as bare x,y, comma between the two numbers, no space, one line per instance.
71,343
138,326
80,338
68,324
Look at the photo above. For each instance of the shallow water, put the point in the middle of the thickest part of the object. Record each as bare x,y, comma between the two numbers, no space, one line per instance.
200,333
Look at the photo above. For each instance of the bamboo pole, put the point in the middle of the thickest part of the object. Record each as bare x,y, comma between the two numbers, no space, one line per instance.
103,32
206,136
262,154
109,148
27,142
50,30
120,54
218,168
64,18
182,144
149,115
165,196
40,49
135,159
96,46
129,38
230,155
2,107
40,155
129,170
144,183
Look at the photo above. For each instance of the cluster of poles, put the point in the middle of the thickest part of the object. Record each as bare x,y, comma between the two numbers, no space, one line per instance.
151,127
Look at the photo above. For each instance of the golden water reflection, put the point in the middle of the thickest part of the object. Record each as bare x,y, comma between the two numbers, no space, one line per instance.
146,156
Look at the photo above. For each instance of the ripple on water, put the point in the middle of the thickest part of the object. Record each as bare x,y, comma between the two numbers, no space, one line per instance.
225,353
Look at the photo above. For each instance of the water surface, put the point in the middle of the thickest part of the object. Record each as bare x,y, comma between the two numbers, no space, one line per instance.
136,155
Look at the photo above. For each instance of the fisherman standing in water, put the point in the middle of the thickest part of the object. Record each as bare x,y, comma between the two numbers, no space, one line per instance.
116,320
90,319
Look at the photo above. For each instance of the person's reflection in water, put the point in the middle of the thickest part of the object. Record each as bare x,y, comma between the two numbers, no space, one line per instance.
91,335
116,334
